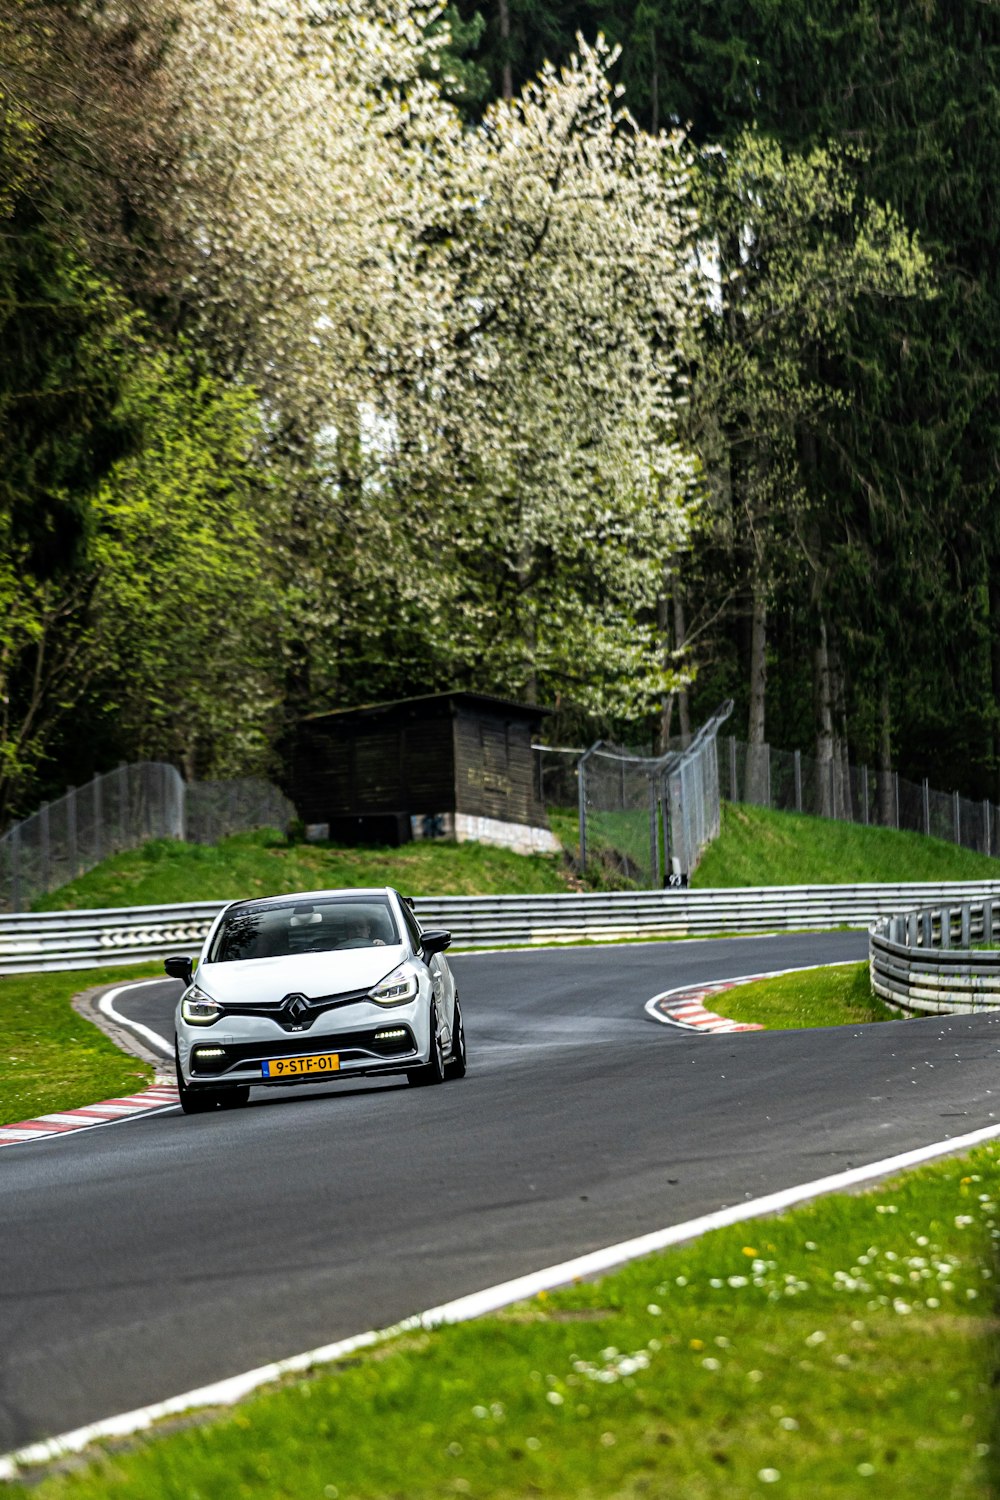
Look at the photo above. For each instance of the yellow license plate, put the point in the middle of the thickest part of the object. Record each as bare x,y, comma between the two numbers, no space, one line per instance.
301,1067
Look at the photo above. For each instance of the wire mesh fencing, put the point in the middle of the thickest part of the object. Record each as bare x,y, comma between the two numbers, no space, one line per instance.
789,781
648,819
122,810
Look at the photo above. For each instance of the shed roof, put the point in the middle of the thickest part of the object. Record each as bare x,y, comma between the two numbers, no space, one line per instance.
482,701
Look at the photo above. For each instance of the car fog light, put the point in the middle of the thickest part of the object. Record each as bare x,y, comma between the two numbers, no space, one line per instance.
200,1052
392,1035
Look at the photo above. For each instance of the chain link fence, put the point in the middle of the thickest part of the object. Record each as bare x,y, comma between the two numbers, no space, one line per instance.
122,810
644,819
789,781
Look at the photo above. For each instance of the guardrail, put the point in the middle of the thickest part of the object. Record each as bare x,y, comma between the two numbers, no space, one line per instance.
924,960
89,939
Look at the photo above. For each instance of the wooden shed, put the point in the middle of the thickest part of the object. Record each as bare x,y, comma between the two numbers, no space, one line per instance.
448,765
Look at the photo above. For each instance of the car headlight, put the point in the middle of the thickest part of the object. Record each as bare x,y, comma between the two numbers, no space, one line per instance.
396,988
199,1009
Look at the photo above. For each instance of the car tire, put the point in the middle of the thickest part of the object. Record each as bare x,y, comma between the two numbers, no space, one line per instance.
433,1071
198,1101
456,1065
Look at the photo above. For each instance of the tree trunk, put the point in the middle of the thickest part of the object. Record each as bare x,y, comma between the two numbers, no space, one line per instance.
680,640
757,789
506,76
667,701
995,682
886,797
824,722
842,764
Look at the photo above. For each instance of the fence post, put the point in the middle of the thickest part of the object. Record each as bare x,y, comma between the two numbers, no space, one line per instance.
798,781
98,815
986,825
123,807
733,794
895,788
581,789
71,830
43,840
927,807
15,867
654,834
956,819
833,790
767,766
864,794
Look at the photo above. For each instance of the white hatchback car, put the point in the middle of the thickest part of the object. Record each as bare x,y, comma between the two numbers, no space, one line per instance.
326,984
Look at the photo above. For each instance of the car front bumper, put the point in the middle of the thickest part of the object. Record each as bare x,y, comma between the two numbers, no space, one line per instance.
361,1039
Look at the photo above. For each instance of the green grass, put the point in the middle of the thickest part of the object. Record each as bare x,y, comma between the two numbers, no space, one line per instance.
50,1057
845,1349
837,996
760,847
265,864
755,847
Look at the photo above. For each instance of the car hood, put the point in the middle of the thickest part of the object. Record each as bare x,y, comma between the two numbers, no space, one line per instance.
264,980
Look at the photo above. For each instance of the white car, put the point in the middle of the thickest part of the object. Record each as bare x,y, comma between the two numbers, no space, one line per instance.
326,984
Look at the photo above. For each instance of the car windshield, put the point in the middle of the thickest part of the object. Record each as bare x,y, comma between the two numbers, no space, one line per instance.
319,925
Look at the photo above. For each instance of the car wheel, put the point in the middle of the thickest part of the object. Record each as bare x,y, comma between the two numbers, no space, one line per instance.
433,1071
200,1101
457,1062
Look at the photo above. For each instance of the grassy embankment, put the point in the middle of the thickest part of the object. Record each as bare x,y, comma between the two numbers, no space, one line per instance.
760,847
844,1349
755,847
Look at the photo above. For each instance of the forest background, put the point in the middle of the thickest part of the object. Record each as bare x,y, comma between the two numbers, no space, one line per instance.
357,350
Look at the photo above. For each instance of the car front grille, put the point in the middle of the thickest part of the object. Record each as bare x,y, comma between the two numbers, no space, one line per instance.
353,1046
305,1014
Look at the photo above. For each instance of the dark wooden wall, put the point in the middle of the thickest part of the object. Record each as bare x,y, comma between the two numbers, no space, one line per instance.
494,768
432,756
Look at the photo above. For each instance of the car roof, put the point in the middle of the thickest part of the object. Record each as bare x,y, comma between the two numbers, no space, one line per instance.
294,896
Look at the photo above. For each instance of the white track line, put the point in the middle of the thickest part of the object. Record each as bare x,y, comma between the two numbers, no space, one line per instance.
226,1392
106,1005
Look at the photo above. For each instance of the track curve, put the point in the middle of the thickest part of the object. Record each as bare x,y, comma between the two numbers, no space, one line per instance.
171,1252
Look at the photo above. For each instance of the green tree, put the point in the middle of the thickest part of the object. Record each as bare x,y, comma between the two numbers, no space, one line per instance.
186,600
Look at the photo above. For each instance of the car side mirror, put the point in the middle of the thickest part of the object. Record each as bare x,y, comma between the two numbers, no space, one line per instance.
179,968
434,942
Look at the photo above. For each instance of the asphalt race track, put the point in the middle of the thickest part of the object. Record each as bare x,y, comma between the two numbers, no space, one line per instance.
160,1254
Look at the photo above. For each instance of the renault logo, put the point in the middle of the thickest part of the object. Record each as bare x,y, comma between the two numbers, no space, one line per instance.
296,1007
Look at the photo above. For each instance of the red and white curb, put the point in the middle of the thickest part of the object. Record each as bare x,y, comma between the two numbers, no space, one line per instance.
66,1121
685,1007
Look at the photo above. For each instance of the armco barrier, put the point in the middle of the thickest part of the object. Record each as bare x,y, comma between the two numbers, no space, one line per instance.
924,960
89,939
